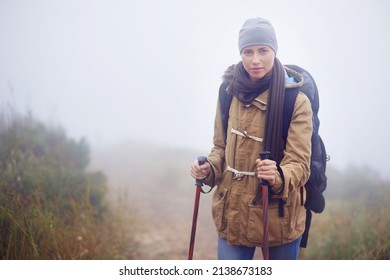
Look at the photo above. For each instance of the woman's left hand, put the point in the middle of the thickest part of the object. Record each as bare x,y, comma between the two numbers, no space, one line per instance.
266,170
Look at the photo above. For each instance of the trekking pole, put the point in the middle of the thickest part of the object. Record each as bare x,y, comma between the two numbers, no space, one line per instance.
264,199
198,184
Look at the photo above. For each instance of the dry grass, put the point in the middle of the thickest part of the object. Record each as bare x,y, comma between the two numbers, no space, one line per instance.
33,230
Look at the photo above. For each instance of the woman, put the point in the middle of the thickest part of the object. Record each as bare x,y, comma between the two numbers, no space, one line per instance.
258,84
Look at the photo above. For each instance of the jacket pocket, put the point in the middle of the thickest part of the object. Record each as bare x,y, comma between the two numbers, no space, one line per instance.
219,206
255,231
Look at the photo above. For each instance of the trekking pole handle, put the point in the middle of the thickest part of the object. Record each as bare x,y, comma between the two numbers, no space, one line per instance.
264,155
201,160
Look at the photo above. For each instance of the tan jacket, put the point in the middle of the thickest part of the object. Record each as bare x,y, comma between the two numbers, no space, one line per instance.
235,215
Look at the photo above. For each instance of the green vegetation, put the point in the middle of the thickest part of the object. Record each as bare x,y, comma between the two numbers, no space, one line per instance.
50,206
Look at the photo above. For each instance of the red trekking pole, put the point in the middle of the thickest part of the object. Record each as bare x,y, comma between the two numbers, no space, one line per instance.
264,199
198,184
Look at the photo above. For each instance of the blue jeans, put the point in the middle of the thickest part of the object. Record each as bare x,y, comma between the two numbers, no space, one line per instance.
287,251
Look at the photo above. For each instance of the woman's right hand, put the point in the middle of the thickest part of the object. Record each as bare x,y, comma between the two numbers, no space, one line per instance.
200,172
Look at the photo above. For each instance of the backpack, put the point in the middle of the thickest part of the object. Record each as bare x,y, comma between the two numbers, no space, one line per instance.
317,182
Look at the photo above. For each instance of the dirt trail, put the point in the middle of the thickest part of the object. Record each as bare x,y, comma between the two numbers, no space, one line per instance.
160,193
166,228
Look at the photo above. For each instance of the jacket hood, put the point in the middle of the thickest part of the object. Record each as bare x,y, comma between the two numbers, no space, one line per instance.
227,77
292,79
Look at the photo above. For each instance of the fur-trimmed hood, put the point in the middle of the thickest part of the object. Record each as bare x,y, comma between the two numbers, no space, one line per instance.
228,75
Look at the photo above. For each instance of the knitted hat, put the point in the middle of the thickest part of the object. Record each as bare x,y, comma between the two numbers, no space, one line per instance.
257,31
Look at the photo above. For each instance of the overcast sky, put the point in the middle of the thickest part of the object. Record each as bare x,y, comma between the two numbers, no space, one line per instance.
111,71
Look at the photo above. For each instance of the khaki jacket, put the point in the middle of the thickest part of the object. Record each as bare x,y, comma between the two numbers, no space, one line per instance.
235,215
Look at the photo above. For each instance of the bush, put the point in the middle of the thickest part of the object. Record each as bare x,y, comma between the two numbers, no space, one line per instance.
50,207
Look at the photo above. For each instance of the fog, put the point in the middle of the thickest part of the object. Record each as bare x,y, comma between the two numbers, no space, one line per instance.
112,71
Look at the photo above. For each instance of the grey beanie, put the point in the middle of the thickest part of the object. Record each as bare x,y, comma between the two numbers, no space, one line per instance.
257,31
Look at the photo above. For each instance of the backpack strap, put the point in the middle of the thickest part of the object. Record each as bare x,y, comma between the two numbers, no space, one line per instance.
305,235
288,110
289,102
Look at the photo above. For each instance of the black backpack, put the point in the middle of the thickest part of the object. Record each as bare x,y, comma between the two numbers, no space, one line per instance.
317,182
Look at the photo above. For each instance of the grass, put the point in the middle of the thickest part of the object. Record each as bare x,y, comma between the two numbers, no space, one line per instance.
50,206
350,230
32,230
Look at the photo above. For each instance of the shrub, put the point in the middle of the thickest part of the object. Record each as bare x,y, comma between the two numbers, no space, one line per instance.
50,207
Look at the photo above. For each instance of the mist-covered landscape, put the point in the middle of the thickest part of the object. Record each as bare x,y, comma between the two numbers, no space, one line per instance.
105,104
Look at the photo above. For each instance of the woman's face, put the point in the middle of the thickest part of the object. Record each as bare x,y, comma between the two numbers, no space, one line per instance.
258,60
